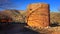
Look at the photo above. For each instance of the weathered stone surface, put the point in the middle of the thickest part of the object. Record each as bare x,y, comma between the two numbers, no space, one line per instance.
38,15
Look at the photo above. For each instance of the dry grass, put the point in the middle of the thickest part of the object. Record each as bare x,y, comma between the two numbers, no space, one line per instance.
46,30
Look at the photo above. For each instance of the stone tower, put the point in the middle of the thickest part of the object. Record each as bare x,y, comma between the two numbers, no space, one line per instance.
38,15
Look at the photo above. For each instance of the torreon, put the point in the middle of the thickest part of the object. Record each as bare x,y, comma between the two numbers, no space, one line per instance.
38,15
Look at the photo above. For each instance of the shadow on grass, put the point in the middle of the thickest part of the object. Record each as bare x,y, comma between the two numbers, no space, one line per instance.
54,24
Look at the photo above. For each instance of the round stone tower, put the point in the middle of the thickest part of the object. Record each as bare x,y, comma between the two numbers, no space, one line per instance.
38,15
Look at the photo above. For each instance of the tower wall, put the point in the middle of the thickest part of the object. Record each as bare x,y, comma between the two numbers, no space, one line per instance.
38,15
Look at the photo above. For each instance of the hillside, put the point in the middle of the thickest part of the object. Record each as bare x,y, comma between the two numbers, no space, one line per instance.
19,15
55,17
16,15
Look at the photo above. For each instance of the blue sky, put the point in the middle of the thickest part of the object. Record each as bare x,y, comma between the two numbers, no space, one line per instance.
22,4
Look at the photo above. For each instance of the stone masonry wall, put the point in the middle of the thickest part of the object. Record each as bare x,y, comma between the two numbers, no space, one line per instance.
38,15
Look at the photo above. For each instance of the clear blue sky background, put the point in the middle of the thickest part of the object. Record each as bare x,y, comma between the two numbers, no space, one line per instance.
22,4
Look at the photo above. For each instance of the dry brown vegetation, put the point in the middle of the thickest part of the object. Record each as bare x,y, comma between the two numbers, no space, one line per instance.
54,18
17,16
46,30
